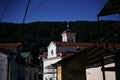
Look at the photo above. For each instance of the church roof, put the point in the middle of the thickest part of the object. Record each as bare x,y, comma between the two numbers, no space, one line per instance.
68,31
82,44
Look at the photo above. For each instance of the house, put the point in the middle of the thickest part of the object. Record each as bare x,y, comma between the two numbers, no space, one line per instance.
87,65
4,65
106,66
14,47
72,67
58,50
8,66
103,62
30,69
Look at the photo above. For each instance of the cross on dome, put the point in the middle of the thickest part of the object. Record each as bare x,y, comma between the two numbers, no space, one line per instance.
68,35
68,24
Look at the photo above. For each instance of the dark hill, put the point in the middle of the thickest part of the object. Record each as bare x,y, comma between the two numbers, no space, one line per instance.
44,32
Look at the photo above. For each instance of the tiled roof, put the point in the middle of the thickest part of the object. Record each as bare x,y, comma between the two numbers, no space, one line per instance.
68,31
68,54
82,44
44,55
9,45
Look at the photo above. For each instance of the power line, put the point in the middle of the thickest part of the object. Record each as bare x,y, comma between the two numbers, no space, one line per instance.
37,8
26,11
4,12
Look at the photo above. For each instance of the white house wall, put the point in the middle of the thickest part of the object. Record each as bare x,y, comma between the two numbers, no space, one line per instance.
3,66
96,73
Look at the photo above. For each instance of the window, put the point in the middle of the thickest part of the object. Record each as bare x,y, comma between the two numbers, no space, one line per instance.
68,40
71,40
52,52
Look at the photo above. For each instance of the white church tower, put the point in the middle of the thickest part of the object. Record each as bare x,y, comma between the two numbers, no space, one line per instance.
68,35
57,50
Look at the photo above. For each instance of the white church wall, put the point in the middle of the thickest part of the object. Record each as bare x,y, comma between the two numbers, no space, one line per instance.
48,62
51,50
49,77
68,37
49,73
71,37
64,49
64,37
96,73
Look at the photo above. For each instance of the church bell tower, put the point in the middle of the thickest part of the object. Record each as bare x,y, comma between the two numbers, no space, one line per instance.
68,35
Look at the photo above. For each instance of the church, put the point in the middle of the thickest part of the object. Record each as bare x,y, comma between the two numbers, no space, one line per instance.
58,50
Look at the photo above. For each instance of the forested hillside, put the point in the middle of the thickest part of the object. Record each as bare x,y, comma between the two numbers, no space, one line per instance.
44,32
39,34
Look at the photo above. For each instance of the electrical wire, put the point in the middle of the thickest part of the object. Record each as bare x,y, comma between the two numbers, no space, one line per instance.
39,6
4,12
26,11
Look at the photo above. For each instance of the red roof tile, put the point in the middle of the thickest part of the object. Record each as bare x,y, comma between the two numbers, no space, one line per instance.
68,54
9,45
82,44
117,45
44,55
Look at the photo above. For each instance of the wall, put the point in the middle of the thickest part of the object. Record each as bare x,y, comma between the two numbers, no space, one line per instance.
48,73
59,72
31,73
96,73
3,66
51,48
66,49
73,68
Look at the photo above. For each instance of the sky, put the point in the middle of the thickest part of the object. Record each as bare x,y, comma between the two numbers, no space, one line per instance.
52,10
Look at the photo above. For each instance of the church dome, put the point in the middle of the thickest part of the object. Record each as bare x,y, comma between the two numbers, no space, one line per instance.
68,30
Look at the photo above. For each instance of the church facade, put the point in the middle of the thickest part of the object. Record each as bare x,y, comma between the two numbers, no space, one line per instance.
58,50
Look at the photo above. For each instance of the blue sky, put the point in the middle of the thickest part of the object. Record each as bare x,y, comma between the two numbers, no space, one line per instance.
53,10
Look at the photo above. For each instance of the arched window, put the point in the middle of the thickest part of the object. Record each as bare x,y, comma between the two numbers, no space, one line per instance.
50,79
52,52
